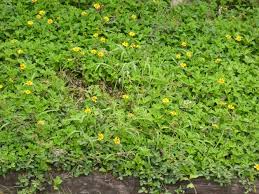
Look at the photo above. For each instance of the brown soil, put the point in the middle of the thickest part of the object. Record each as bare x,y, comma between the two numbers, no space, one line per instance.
97,183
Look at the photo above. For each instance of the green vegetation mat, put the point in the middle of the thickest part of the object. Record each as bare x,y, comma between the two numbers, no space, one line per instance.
132,88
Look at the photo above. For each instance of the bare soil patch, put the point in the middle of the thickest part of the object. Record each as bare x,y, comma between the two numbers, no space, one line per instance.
97,183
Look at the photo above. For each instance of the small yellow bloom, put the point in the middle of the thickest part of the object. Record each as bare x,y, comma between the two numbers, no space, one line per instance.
173,113
218,60
117,140
102,39
183,65
1,86
50,21
231,107
97,6
20,51
133,16
228,36
33,1
189,54
76,49
100,136
22,66
38,16
165,101
256,166
132,34
93,51
41,122
221,81
42,12
100,54
84,13
178,56
133,45
125,44
29,83
30,23
27,91
106,18
125,97
95,35
184,44
238,38
215,126
87,110
94,99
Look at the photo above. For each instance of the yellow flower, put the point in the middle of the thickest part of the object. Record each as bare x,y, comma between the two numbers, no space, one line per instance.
238,38
41,122
102,39
215,126
95,35
178,56
218,60
22,66
173,113
100,136
189,54
228,36
184,44
165,101
50,21
231,107
20,51
30,23
117,140
125,44
106,18
183,65
29,83
97,6
133,16
76,49
93,51
94,99
42,12
1,86
100,54
256,166
38,16
87,110
132,34
84,13
125,97
33,1
27,91
221,81
133,45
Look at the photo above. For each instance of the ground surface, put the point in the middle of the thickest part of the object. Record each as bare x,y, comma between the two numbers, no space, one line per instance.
106,184
132,88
